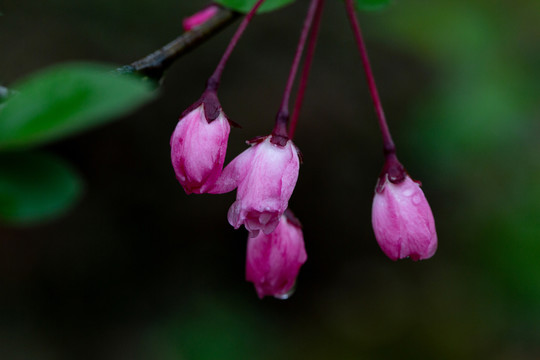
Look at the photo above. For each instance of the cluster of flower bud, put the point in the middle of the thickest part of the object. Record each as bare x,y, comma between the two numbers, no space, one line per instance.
265,174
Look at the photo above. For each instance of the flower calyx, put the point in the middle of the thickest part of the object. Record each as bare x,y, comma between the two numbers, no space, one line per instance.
392,171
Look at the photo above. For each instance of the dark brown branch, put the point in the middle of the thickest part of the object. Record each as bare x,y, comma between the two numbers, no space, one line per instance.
157,62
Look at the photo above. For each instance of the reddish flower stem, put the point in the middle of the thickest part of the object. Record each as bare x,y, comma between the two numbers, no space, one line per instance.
282,117
214,80
312,42
388,143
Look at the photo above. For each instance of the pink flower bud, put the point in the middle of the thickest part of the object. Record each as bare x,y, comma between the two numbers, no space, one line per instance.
273,260
200,17
199,144
402,220
265,175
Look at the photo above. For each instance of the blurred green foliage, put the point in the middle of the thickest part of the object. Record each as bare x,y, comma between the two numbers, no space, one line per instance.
371,4
67,99
270,5
35,187
50,105
246,5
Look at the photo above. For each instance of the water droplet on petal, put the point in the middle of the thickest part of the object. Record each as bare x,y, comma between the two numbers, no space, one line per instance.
288,294
416,199
408,192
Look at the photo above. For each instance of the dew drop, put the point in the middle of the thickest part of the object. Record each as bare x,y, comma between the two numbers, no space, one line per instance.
286,295
416,199
408,192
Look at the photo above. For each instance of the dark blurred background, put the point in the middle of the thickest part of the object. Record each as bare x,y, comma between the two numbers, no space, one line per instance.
139,270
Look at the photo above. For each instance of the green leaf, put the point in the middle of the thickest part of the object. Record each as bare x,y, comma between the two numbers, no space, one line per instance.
245,5
35,186
67,99
371,4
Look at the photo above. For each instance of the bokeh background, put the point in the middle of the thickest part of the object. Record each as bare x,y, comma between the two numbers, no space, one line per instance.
139,270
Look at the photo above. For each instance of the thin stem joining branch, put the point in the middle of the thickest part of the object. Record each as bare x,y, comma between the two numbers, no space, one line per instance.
154,64
388,143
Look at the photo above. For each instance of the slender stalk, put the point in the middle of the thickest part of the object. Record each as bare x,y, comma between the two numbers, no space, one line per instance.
312,42
388,143
282,118
214,80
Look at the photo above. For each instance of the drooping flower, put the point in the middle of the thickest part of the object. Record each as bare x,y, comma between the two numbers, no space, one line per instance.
274,260
200,17
402,220
199,144
265,175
